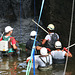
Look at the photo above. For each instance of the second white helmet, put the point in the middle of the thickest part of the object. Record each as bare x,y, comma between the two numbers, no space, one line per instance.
51,27
58,44
33,33
8,28
43,51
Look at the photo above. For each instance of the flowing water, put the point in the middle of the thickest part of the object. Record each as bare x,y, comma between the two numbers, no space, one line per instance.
17,66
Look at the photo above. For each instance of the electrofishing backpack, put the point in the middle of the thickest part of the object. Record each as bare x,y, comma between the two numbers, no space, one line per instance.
54,38
5,43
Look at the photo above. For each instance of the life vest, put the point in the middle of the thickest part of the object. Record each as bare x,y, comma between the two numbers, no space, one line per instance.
10,48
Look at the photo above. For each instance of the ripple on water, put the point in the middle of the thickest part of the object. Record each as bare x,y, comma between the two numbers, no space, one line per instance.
23,71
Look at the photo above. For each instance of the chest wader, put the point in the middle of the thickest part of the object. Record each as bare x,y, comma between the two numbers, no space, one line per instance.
10,48
59,61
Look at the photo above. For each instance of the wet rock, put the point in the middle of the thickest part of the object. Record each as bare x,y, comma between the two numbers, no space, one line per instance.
11,9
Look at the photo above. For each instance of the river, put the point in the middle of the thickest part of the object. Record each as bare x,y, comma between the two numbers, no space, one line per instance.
17,66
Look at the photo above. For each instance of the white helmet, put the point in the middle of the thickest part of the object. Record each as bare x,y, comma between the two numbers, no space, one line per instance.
51,27
58,44
8,28
43,51
33,33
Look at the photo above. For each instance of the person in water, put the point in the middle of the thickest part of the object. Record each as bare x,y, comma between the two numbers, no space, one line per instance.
42,61
58,55
51,38
11,40
45,59
29,44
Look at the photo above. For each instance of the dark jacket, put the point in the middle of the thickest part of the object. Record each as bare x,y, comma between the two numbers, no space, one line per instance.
29,45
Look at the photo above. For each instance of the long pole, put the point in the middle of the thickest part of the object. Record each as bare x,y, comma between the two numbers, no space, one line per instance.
40,26
71,46
69,37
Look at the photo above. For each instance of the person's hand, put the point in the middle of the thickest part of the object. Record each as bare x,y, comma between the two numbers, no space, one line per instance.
48,49
65,49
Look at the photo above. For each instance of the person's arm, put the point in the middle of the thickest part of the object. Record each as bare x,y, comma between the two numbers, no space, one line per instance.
46,38
14,43
38,47
69,54
44,41
14,46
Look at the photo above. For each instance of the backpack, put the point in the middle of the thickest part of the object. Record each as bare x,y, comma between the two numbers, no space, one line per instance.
51,43
47,63
5,44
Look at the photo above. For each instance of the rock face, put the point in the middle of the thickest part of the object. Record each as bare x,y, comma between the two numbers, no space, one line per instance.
17,14
11,9
58,12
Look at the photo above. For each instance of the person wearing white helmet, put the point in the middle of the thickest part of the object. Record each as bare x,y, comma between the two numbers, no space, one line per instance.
44,60
33,33
11,40
58,55
51,38
30,42
8,29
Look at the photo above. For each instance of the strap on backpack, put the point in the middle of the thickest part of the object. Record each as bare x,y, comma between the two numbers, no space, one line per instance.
53,40
46,60
9,43
6,39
